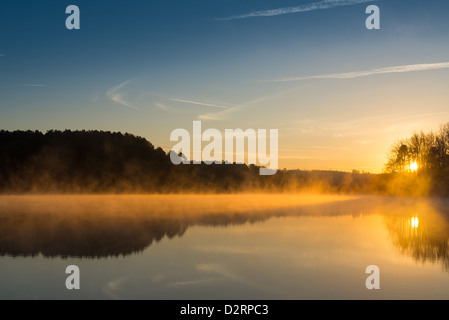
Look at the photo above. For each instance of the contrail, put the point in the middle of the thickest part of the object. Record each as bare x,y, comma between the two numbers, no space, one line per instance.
198,103
32,85
325,4
118,97
358,74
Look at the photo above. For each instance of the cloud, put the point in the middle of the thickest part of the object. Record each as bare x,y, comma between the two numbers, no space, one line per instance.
365,142
115,95
164,107
325,4
2,55
225,110
198,103
221,115
224,114
32,85
366,73
368,126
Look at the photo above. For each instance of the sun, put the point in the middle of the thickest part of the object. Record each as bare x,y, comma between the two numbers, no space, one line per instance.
413,167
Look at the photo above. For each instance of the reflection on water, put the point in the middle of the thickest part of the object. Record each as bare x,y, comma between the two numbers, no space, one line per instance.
224,246
414,222
101,226
420,229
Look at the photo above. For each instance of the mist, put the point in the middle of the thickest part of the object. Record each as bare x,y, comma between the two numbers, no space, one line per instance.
99,162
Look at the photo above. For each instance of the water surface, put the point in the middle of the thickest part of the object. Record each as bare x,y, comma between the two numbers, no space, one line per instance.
223,247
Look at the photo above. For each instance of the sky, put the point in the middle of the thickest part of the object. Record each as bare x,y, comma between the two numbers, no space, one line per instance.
338,93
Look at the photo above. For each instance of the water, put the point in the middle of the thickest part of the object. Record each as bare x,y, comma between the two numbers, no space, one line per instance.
223,247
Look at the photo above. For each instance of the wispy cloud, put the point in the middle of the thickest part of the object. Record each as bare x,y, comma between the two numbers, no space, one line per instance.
32,85
225,110
164,107
368,126
221,115
366,73
224,114
2,55
198,103
117,96
325,4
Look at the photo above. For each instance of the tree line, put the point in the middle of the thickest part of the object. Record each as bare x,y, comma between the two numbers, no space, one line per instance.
113,162
420,164
430,152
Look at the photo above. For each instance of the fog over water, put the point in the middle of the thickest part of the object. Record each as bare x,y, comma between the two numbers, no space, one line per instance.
223,246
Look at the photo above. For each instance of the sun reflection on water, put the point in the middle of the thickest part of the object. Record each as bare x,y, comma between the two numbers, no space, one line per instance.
414,222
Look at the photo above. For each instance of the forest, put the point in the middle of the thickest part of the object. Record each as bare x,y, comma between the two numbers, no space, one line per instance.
102,162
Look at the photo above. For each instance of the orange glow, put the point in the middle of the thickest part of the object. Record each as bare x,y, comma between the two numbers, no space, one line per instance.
413,167
414,222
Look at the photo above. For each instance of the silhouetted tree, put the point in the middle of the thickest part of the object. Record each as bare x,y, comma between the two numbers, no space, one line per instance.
431,153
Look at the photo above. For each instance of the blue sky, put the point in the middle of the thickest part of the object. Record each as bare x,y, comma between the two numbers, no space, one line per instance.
148,67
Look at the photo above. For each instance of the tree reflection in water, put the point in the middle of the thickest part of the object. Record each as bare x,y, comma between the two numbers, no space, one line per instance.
108,226
420,229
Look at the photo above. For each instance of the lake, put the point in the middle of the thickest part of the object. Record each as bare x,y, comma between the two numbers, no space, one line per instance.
242,246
